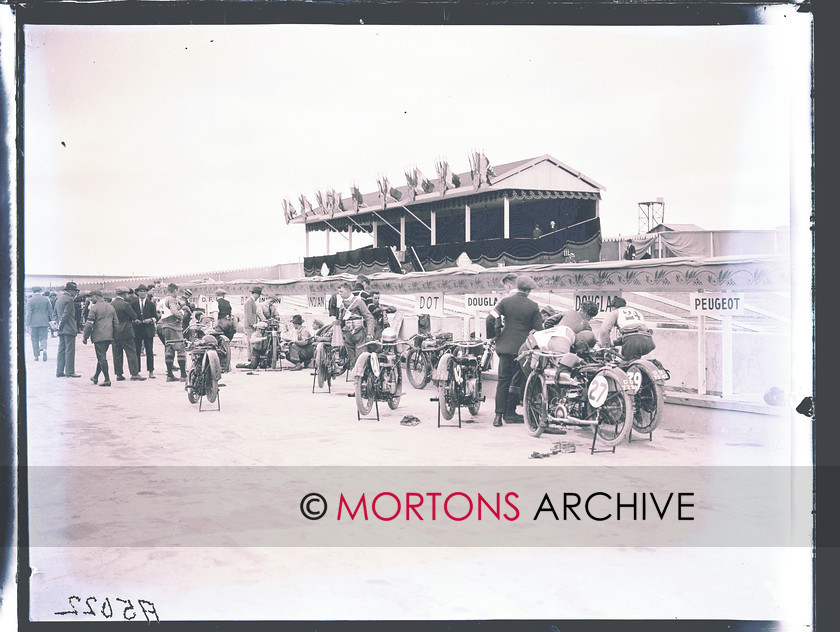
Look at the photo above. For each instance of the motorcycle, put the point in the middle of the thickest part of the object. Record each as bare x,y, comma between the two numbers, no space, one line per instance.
458,376
647,381
567,390
277,347
423,356
205,369
329,361
378,373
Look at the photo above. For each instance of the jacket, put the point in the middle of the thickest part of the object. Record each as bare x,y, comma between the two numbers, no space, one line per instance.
102,322
521,316
250,313
355,315
39,311
125,316
65,313
146,313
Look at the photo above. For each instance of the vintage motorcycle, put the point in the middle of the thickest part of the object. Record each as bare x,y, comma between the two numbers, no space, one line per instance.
329,361
458,376
205,369
568,390
378,373
423,356
647,382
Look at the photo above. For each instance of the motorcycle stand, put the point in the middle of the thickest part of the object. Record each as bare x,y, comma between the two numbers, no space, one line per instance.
218,407
359,415
437,399
630,436
592,449
329,382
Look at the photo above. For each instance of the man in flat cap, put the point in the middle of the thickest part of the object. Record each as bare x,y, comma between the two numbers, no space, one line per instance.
124,337
145,318
510,322
100,326
39,313
171,334
225,316
251,315
65,312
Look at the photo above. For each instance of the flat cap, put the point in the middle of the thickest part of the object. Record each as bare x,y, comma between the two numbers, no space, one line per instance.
525,283
121,290
256,290
36,289
70,285
96,293
220,292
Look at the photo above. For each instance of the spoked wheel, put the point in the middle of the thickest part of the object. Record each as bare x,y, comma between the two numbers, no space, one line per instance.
616,414
339,361
535,404
225,356
648,401
321,368
448,392
364,391
476,405
275,351
417,368
212,371
394,402
192,383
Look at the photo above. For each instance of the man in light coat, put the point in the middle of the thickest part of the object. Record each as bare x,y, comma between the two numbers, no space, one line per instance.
39,313
249,325
100,326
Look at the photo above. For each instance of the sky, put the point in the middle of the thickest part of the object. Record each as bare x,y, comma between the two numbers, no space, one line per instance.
169,149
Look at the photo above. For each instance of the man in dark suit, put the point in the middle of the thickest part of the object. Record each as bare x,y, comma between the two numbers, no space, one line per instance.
38,317
521,315
225,315
145,311
65,313
124,337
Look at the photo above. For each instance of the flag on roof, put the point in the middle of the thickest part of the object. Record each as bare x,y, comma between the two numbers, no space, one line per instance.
417,183
480,169
357,197
486,170
288,210
339,204
448,179
305,206
319,198
395,193
384,186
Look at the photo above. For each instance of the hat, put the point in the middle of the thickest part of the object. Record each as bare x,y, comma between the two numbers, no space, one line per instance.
36,289
172,287
525,283
141,288
187,292
618,302
70,286
256,290
220,292
96,293
297,319
121,290
358,286
317,324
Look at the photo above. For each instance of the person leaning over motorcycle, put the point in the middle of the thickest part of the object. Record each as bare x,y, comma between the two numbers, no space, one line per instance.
635,336
521,316
576,321
356,321
381,316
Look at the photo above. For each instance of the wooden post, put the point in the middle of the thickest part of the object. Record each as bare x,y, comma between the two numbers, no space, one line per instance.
328,241
306,232
711,244
350,237
402,233
375,234
701,355
507,218
466,222
434,228
727,357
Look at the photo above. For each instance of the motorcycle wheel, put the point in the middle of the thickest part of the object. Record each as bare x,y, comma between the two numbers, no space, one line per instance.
648,403
364,391
535,404
224,356
447,393
616,412
212,368
476,405
339,361
192,385
417,368
321,364
275,351
394,402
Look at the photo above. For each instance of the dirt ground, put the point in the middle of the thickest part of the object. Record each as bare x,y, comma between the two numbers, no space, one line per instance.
273,419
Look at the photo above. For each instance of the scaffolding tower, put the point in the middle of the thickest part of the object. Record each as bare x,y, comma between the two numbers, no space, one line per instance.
651,215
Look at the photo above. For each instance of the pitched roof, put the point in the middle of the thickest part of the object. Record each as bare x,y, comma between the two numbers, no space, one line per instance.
371,201
677,227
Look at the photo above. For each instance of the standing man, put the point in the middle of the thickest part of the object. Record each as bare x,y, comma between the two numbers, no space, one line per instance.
171,334
100,327
225,317
509,283
124,337
145,312
251,318
38,315
537,232
301,349
379,313
65,312
356,322
521,316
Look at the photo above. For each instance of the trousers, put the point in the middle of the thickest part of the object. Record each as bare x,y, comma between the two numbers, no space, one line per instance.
66,356
125,346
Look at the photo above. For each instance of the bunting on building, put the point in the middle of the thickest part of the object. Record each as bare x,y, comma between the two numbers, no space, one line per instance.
356,195
384,187
480,169
288,210
418,184
305,206
448,179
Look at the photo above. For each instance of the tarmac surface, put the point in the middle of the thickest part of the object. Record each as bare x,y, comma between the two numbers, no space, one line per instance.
272,419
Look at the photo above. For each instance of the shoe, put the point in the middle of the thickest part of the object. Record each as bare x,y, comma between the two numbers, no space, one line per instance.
171,378
44,356
95,380
297,367
497,420
138,378
60,375
106,383
36,358
120,378
72,375
151,375
182,379
514,418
